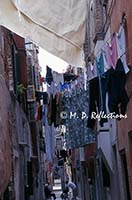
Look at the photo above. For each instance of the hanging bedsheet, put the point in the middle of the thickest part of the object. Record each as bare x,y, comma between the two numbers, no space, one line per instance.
75,102
57,26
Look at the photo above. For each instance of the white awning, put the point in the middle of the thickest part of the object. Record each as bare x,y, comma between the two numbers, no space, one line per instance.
58,26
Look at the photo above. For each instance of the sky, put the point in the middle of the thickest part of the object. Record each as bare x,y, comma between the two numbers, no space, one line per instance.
52,61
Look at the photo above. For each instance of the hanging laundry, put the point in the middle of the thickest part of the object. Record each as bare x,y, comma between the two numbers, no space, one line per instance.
75,101
97,100
38,114
51,110
103,91
113,81
45,102
100,64
45,98
59,109
54,110
117,96
38,95
49,136
43,115
111,52
49,76
106,65
42,80
65,86
94,100
49,113
91,71
121,47
57,77
69,77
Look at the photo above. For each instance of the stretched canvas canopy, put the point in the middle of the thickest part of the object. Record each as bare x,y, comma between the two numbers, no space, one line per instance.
58,26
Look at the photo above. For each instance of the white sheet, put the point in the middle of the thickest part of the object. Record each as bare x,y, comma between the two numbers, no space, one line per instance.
57,26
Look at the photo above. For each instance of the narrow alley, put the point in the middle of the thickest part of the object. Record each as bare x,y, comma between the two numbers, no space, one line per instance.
66,100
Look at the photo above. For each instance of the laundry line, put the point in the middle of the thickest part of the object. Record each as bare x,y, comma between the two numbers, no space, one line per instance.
111,36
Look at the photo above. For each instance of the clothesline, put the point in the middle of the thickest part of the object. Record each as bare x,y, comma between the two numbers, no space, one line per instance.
110,38
79,82
120,57
128,48
63,74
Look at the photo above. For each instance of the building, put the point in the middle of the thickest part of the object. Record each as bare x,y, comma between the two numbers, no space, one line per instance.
113,149
121,10
21,142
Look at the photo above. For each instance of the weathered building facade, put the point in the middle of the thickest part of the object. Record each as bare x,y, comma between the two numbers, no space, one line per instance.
122,11
113,166
20,135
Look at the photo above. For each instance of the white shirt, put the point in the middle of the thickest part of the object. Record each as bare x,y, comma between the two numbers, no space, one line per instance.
121,47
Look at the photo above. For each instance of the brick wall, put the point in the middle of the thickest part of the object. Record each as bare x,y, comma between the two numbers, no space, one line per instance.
5,136
99,20
95,25
5,117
